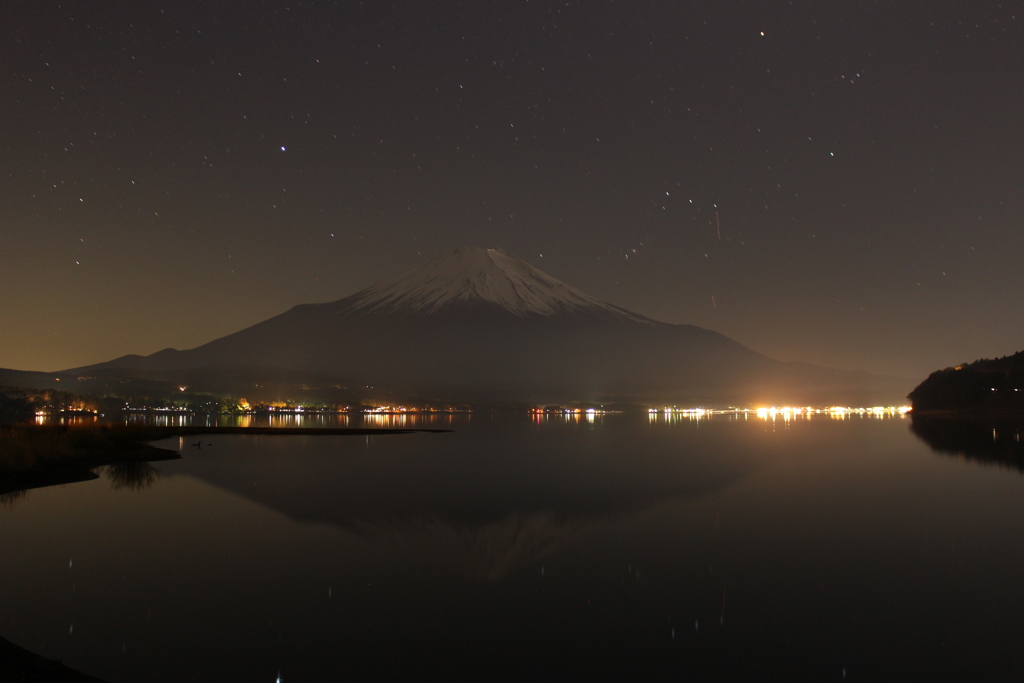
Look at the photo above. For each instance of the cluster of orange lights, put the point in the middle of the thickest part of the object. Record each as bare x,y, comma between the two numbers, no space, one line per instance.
785,412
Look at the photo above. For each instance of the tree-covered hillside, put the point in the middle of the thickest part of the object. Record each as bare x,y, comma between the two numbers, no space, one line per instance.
996,385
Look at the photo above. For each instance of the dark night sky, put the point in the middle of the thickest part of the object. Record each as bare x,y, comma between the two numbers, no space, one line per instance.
174,172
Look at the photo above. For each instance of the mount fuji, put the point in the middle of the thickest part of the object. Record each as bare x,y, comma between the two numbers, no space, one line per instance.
480,325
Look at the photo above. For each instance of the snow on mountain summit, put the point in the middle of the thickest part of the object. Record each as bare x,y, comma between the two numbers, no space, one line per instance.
476,274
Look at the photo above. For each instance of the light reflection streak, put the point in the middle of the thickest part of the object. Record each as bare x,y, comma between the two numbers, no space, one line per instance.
575,415
276,419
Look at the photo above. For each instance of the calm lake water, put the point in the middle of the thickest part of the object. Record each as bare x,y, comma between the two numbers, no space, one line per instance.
628,547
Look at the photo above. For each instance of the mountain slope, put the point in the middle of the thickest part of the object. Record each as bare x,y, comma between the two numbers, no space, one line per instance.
471,274
481,325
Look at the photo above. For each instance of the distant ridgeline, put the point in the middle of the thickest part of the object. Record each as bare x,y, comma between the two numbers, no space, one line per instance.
984,385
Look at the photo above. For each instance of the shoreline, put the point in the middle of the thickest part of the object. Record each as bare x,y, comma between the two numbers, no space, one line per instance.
68,463
37,456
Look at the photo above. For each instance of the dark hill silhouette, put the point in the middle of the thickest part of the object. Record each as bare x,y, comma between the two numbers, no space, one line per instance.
479,325
984,385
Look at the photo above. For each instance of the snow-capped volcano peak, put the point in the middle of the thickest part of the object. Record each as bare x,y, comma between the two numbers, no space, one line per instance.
479,275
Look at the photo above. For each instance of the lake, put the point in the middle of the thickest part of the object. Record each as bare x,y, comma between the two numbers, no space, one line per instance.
628,547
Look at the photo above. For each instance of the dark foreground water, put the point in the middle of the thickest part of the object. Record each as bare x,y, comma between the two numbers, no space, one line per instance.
623,548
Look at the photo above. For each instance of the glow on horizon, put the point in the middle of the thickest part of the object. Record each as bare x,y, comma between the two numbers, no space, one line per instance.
785,412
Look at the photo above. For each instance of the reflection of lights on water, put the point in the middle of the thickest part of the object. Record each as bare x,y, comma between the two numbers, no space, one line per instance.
835,412
674,413
539,415
388,419
411,418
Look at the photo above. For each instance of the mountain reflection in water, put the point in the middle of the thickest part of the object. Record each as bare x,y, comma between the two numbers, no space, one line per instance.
479,551
476,515
634,548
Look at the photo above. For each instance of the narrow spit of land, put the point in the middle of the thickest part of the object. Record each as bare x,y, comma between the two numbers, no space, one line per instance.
34,456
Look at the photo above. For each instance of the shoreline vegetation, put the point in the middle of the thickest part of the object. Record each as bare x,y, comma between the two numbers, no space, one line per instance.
989,387
974,411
